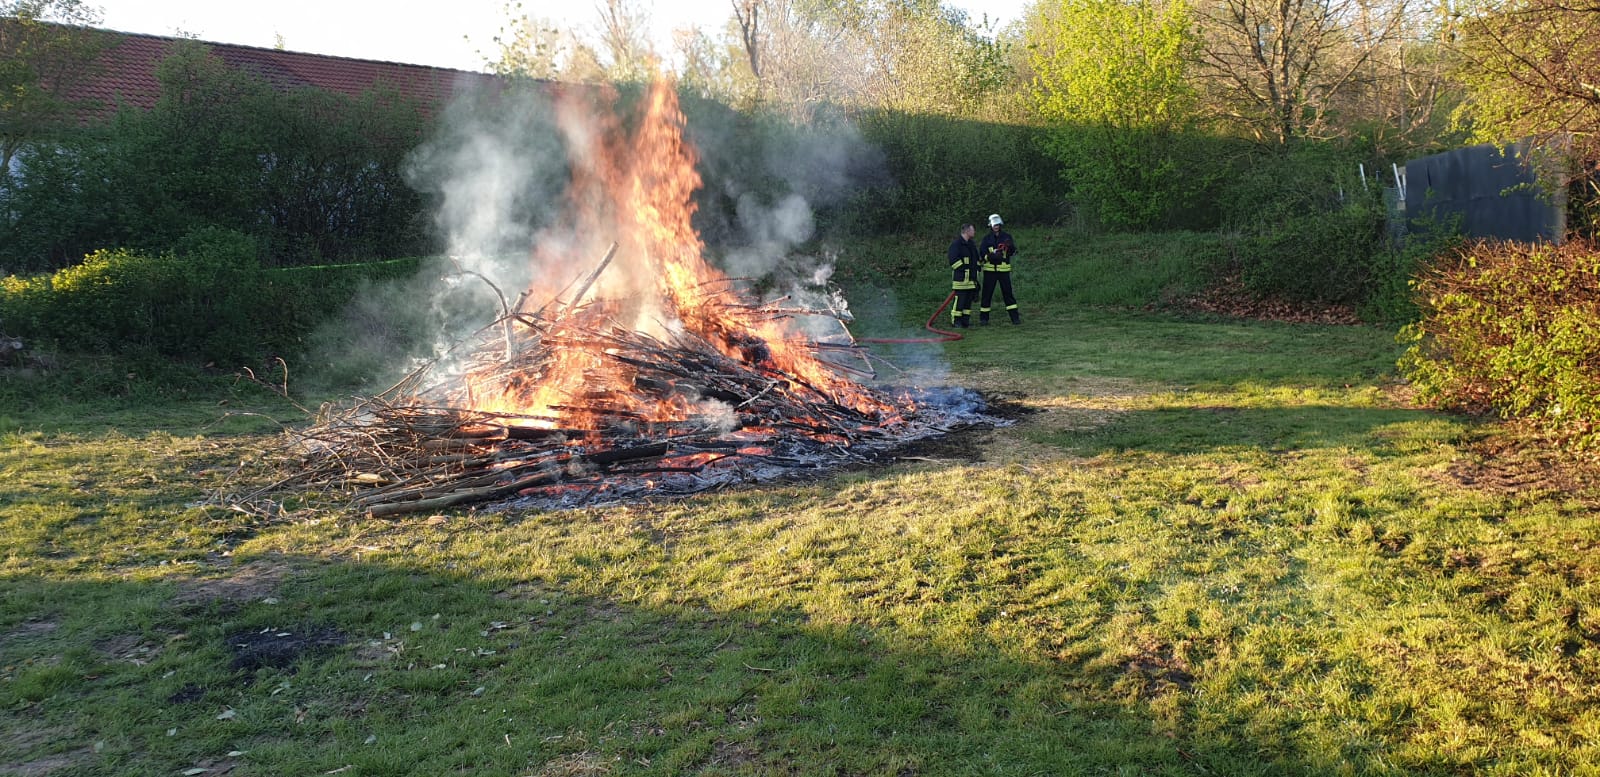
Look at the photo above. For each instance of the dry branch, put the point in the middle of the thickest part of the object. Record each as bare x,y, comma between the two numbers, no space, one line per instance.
672,413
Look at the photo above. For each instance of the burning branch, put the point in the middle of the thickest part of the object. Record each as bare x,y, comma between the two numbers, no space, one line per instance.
657,380
677,417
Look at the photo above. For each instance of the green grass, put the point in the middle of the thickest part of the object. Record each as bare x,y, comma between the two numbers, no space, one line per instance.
1210,548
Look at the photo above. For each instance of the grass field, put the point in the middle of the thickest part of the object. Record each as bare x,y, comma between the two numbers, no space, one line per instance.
1206,548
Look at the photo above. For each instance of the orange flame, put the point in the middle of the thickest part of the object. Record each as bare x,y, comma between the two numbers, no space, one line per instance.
636,188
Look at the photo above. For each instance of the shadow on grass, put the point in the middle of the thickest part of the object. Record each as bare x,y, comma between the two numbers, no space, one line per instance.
426,672
1186,430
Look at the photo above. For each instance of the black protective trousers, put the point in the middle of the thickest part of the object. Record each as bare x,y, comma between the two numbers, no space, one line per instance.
961,312
991,279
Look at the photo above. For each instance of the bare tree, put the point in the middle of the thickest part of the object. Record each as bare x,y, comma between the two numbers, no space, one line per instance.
1276,68
625,40
914,55
1405,93
537,47
805,55
748,14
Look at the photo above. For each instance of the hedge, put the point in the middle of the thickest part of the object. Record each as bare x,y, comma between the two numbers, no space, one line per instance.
1511,328
210,301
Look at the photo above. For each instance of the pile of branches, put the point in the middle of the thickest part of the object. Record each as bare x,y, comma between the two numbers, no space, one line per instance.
421,445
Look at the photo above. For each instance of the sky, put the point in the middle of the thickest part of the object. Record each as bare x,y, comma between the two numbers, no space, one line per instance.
455,34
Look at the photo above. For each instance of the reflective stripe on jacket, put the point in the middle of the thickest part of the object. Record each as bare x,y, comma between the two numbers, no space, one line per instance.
963,258
997,249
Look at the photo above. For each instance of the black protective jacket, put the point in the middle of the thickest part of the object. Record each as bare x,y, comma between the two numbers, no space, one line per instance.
996,250
963,256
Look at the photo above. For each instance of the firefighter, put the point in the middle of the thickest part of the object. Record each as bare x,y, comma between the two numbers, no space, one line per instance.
996,252
963,256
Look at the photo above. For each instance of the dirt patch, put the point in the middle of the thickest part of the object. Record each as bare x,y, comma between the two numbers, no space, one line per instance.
24,739
1162,670
734,756
529,590
584,764
131,648
27,630
28,737
1515,461
218,766
188,693
60,763
247,582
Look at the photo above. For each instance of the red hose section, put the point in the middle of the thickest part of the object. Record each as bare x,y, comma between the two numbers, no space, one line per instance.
948,336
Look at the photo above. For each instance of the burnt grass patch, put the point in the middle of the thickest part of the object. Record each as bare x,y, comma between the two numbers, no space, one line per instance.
280,648
977,413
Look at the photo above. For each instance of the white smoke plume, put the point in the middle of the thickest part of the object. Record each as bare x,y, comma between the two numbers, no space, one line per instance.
507,176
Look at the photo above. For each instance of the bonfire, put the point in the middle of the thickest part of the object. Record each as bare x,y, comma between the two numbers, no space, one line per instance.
648,373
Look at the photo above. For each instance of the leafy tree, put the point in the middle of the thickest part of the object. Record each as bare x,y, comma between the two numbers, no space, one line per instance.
1533,70
195,159
60,210
918,56
46,47
333,183
308,175
1110,78
313,175
712,67
533,48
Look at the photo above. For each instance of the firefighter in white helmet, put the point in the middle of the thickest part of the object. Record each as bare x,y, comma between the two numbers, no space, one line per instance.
995,253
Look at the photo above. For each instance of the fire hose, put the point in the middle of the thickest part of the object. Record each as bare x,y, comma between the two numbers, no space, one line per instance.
948,336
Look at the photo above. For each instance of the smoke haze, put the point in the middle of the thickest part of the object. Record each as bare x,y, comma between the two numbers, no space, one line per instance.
520,214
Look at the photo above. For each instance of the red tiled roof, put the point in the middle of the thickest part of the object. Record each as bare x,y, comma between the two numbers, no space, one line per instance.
125,73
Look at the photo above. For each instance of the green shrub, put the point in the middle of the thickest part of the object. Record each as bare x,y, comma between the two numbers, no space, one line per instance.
1316,257
297,300
190,304
1139,180
1392,300
1305,227
312,176
209,300
942,172
1511,328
